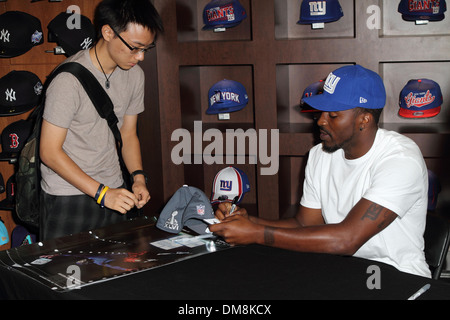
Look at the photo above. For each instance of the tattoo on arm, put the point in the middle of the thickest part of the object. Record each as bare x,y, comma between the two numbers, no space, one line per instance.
269,238
374,211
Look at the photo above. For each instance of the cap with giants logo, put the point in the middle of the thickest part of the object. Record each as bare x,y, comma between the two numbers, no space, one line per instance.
19,32
320,11
420,98
223,14
230,185
432,10
350,87
227,96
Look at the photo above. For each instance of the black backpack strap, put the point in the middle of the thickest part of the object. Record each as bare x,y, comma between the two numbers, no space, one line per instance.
96,93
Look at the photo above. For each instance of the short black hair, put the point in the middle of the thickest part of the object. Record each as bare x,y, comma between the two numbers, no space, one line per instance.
119,13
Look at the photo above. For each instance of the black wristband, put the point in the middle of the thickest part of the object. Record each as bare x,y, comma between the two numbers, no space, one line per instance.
135,173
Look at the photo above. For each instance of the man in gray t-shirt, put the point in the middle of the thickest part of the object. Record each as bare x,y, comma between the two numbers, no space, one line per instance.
81,176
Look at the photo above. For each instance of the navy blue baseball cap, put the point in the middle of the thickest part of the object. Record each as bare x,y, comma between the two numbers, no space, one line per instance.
320,11
420,98
72,39
223,14
20,32
350,87
432,10
227,96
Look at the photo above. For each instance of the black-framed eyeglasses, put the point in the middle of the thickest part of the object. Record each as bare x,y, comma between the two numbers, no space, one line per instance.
134,50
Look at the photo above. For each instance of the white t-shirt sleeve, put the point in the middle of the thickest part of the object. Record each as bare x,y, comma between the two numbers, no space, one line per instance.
397,184
311,196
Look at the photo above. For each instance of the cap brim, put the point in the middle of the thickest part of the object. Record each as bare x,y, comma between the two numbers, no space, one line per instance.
419,114
322,102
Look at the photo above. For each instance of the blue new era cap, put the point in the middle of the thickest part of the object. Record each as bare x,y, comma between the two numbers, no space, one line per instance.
420,98
320,11
223,14
226,96
432,10
350,87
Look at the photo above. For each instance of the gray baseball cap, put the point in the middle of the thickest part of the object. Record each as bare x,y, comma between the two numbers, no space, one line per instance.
188,207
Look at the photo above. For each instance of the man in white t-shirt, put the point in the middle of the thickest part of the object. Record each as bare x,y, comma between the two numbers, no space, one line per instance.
365,188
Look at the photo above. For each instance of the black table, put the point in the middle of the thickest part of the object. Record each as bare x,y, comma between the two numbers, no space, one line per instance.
248,273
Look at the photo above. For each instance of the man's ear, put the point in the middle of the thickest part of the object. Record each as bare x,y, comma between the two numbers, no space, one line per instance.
107,32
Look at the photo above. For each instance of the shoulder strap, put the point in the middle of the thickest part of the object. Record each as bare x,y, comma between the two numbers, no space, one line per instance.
96,93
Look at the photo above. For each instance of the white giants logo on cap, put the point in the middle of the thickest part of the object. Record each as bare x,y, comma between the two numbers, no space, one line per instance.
331,83
318,8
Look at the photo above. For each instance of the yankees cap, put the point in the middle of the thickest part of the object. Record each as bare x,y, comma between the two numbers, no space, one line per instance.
20,91
226,96
420,98
223,14
431,10
63,30
19,32
189,207
229,184
320,11
350,87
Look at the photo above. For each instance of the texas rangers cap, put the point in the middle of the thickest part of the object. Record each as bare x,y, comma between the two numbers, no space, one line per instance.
311,90
320,11
223,14
63,29
230,185
14,137
4,237
19,32
432,10
350,87
420,98
20,91
226,96
189,207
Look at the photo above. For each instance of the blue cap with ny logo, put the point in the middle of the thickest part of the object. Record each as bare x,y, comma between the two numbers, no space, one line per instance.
350,87
320,11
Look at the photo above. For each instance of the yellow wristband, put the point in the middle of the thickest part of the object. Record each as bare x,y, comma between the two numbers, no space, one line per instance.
102,194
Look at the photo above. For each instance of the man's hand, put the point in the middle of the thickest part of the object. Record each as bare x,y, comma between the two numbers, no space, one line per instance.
237,229
224,210
120,200
142,194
